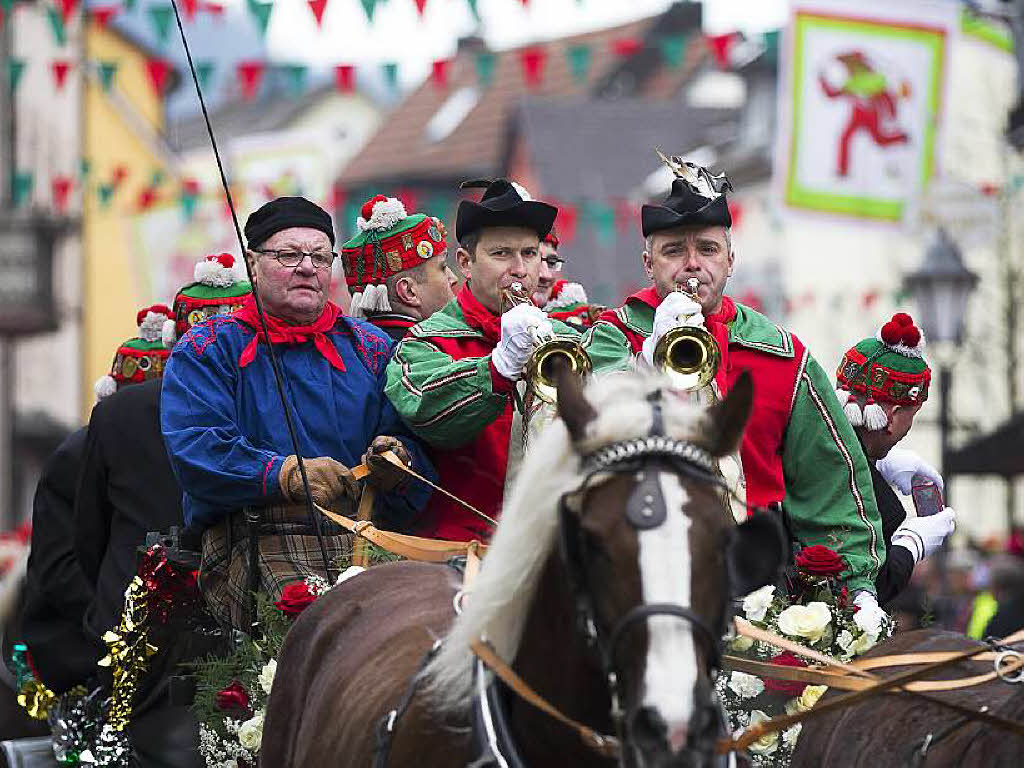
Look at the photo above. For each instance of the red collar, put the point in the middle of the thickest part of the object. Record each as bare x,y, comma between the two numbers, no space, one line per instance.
478,316
282,333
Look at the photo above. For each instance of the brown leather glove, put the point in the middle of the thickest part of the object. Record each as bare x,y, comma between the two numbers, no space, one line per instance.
383,474
330,481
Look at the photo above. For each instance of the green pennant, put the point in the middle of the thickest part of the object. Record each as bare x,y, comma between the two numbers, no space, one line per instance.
601,218
157,178
579,62
369,6
771,44
204,72
105,193
485,61
473,9
261,13
160,16
21,187
107,70
6,6
296,78
391,74
129,5
188,205
84,169
56,25
15,68
672,50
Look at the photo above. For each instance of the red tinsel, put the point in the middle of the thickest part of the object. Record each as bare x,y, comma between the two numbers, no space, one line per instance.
171,591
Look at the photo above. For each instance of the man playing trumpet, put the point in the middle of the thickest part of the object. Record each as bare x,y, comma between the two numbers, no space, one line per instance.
454,377
798,451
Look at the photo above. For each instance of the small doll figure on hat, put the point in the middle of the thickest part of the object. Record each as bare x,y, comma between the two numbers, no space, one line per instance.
219,288
140,358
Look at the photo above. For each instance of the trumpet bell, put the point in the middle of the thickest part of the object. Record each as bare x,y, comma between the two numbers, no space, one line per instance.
540,368
689,355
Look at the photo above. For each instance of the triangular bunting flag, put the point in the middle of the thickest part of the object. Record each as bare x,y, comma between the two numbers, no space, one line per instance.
532,61
390,69
439,73
261,13
107,70
672,49
369,6
129,5
160,17
204,72
420,6
15,68
410,198
250,73
60,69
720,45
602,220
56,25
565,222
146,198
66,7
6,6
84,169
119,175
344,77
191,8
60,188
296,78
624,47
105,192
485,61
157,177
21,187
473,9
103,14
579,62
214,9
318,7
158,70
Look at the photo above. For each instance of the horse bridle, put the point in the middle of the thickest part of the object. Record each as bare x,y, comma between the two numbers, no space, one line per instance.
645,510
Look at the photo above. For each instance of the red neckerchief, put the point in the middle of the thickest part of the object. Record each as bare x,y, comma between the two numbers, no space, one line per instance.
478,316
282,333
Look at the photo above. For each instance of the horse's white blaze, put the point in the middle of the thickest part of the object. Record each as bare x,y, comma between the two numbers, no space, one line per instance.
670,676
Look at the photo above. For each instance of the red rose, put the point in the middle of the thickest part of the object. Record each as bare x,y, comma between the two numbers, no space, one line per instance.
786,687
232,698
819,560
295,598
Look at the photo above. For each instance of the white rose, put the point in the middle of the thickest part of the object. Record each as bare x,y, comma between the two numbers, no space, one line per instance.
790,735
755,605
809,621
845,641
745,686
869,620
807,699
863,644
250,733
348,573
267,675
232,763
768,743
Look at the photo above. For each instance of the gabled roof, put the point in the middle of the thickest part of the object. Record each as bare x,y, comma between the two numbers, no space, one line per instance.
401,151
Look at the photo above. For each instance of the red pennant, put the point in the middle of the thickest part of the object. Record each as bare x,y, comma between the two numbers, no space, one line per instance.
103,14
410,199
66,8
439,72
627,215
720,45
337,197
146,198
736,212
868,299
318,7
625,47
344,77
60,69
214,9
532,61
250,74
565,222
420,6
191,7
189,187
159,70
119,175
60,186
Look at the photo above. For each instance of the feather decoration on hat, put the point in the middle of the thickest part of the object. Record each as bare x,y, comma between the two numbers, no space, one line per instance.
699,178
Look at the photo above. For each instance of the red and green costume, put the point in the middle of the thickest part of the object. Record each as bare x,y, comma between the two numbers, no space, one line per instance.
443,384
798,448
568,303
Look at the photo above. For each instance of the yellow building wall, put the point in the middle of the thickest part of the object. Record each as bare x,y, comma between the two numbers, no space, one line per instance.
119,127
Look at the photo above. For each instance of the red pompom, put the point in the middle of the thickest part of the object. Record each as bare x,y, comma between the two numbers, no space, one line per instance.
367,210
226,260
892,333
911,336
902,319
160,309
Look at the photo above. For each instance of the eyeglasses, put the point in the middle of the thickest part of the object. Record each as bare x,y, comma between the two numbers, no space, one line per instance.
554,263
292,259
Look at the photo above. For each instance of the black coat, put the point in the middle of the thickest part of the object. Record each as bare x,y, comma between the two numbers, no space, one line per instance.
894,575
57,592
126,489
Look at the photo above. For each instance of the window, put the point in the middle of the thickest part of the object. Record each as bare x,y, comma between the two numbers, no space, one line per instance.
452,113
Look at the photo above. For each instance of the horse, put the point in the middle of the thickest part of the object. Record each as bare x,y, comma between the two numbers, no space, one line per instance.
900,729
606,587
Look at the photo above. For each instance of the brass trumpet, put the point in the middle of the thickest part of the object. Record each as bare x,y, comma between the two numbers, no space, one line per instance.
688,354
549,347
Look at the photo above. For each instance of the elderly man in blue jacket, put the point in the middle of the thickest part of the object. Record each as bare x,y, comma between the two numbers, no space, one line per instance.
226,432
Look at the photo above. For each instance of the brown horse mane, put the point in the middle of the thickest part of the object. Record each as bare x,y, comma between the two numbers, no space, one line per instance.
505,587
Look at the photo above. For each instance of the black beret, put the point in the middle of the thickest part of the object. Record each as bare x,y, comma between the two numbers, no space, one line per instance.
284,213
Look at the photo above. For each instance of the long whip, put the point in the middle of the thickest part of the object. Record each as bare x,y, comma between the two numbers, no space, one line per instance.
278,378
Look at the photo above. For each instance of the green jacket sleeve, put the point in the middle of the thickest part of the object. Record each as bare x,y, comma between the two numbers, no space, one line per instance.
829,497
446,402
608,348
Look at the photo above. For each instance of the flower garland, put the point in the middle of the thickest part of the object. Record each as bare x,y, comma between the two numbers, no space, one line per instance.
817,613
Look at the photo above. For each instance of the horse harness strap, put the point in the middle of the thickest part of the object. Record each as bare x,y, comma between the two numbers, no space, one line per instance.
385,733
606,746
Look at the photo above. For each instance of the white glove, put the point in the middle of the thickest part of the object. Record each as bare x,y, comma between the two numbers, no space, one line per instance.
517,339
923,535
677,309
899,467
870,618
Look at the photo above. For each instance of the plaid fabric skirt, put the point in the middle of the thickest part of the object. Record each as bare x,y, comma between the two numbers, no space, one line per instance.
288,551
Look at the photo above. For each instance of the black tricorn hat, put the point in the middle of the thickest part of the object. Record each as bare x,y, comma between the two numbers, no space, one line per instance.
697,199
504,204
